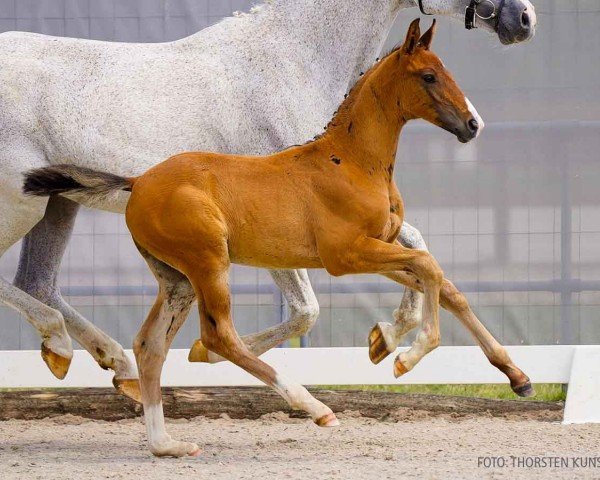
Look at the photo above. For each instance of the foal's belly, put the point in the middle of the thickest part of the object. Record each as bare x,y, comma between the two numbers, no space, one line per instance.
273,260
274,251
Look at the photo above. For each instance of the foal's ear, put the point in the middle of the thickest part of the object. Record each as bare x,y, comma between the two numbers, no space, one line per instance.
412,37
427,37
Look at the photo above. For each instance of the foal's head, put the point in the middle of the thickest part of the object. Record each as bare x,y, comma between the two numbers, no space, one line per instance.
427,90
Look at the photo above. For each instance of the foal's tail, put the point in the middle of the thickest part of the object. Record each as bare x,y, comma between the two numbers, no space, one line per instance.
77,183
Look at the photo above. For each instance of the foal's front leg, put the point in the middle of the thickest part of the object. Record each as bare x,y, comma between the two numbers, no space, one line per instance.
369,255
456,303
385,337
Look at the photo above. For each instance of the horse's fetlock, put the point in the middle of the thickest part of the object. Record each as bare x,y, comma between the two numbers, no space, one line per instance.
211,343
54,323
106,365
499,359
434,341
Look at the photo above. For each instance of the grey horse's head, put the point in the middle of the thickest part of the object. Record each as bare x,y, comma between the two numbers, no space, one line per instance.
516,22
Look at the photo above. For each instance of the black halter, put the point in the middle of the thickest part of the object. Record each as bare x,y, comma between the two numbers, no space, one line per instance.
471,13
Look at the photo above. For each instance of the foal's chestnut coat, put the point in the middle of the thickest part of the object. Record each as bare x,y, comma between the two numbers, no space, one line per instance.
331,203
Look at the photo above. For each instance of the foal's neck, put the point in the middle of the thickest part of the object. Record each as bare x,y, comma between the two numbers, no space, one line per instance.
369,121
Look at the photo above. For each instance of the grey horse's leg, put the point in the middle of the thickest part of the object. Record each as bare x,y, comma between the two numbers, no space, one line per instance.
17,217
385,337
41,255
303,312
57,351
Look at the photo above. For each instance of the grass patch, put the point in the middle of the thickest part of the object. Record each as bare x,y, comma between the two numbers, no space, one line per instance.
548,392
545,392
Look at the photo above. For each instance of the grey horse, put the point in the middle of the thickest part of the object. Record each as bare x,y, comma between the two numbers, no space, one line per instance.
253,83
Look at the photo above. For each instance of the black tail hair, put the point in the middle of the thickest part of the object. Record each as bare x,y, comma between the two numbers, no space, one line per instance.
73,181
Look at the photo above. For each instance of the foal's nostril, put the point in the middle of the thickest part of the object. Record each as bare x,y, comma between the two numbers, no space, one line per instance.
473,125
525,20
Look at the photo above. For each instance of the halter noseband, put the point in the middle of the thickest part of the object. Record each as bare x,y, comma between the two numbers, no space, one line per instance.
471,13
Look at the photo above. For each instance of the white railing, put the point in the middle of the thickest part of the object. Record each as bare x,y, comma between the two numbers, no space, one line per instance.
578,366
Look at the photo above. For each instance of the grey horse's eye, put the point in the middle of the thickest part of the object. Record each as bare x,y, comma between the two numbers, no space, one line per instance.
429,78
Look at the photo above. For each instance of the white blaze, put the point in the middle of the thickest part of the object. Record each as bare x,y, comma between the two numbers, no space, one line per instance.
476,116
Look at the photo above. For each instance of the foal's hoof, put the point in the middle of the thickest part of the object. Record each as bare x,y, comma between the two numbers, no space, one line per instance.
130,387
524,390
195,453
198,352
399,367
328,420
379,346
173,448
58,364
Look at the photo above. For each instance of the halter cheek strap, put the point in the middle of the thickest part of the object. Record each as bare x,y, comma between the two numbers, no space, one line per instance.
471,13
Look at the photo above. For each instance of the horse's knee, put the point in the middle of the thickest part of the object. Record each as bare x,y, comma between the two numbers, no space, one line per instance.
305,316
437,274
460,302
455,300
429,270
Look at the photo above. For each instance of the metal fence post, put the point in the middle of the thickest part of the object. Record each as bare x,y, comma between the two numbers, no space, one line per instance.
566,265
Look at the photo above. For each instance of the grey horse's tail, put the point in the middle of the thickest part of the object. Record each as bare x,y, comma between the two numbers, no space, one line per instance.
77,183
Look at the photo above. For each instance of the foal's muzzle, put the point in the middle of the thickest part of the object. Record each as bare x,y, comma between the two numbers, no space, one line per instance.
467,131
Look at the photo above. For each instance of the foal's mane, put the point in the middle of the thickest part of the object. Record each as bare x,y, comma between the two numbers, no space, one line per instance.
350,97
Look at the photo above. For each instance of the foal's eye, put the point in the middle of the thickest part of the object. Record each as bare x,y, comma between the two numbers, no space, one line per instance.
429,78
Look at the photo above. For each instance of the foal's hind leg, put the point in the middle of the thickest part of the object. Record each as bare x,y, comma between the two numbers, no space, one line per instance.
220,336
151,345
303,312
385,337
41,254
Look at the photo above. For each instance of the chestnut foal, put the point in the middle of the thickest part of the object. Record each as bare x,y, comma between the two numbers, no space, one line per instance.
331,203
